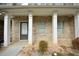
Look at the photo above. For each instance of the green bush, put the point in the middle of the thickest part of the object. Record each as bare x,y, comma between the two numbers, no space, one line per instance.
43,45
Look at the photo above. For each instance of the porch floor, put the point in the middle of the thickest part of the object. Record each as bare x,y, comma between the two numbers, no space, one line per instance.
13,49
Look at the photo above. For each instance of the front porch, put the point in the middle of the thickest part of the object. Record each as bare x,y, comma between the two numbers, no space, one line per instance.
55,25
42,29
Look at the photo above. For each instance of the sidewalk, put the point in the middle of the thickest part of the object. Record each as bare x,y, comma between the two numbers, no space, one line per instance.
13,49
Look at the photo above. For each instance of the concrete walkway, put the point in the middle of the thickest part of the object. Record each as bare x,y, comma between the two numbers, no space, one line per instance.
13,49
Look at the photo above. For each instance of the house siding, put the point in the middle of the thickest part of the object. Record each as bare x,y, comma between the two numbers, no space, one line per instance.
66,38
68,34
37,36
16,27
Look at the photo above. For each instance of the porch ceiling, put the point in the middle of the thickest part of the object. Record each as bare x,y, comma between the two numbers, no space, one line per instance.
42,11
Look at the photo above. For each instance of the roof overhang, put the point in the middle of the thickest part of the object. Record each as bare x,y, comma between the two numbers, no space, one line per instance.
40,10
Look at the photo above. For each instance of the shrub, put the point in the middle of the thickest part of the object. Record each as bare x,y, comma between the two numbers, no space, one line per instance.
43,45
75,43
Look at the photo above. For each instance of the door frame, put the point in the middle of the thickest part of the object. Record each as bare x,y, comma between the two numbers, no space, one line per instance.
20,28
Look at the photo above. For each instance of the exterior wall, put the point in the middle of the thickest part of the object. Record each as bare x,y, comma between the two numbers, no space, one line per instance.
66,38
37,36
16,27
68,34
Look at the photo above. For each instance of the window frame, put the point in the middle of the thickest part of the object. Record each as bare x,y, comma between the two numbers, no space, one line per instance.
60,28
41,25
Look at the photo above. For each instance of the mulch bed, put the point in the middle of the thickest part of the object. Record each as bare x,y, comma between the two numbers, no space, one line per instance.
53,50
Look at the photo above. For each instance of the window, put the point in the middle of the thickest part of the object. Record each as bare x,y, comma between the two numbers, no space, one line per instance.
41,25
60,28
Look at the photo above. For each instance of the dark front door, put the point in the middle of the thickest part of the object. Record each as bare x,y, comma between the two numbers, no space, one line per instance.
23,30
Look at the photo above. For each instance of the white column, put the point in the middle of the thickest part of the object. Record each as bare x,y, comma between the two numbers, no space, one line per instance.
30,17
54,27
76,22
6,30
